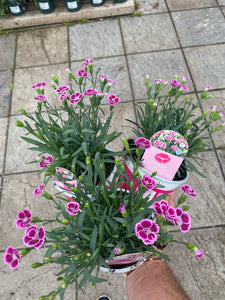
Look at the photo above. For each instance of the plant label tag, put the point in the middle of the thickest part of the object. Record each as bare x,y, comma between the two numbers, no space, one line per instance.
168,149
15,9
97,1
44,5
72,5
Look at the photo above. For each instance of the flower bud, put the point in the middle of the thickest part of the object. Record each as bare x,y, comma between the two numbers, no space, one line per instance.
141,209
87,205
136,173
65,221
139,151
19,123
36,265
24,252
52,297
55,78
48,259
36,220
74,189
23,111
205,113
126,145
117,162
71,75
88,161
219,127
54,245
47,195
74,258
93,285
80,178
64,284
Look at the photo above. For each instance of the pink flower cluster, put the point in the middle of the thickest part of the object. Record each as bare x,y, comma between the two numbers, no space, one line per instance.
121,207
90,92
34,237
174,84
148,182
175,215
159,144
45,162
112,99
102,76
160,81
147,231
82,73
143,143
39,85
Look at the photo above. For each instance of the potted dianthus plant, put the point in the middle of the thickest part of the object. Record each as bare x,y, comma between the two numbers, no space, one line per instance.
173,123
70,135
97,2
104,226
16,7
73,5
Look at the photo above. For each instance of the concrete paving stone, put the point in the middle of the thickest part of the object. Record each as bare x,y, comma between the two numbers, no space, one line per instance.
17,193
23,94
27,283
42,47
202,278
164,65
207,65
122,111
150,6
200,26
221,156
5,81
103,36
145,30
3,126
221,2
7,46
116,69
183,4
114,287
223,10
218,100
208,208
17,152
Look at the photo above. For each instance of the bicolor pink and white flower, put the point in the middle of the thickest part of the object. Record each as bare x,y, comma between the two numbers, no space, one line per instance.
12,257
62,89
147,231
45,162
87,62
207,87
63,97
111,82
148,182
72,208
90,92
117,250
34,237
112,99
38,191
102,76
143,143
82,73
187,189
76,97
24,218
184,87
121,207
199,253
40,97
39,85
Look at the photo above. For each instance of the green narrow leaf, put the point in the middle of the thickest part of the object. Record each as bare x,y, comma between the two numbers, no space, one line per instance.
93,239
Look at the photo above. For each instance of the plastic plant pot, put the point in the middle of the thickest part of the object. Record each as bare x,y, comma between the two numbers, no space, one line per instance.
73,5
46,6
17,8
97,2
119,1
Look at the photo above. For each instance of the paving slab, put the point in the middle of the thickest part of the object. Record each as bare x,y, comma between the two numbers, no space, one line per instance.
163,64
145,30
44,46
23,94
218,100
7,53
221,2
5,81
17,153
18,195
183,4
3,126
103,36
150,6
201,278
27,283
207,65
115,288
122,111
207,209
116,69
221,156
223,10
199,26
